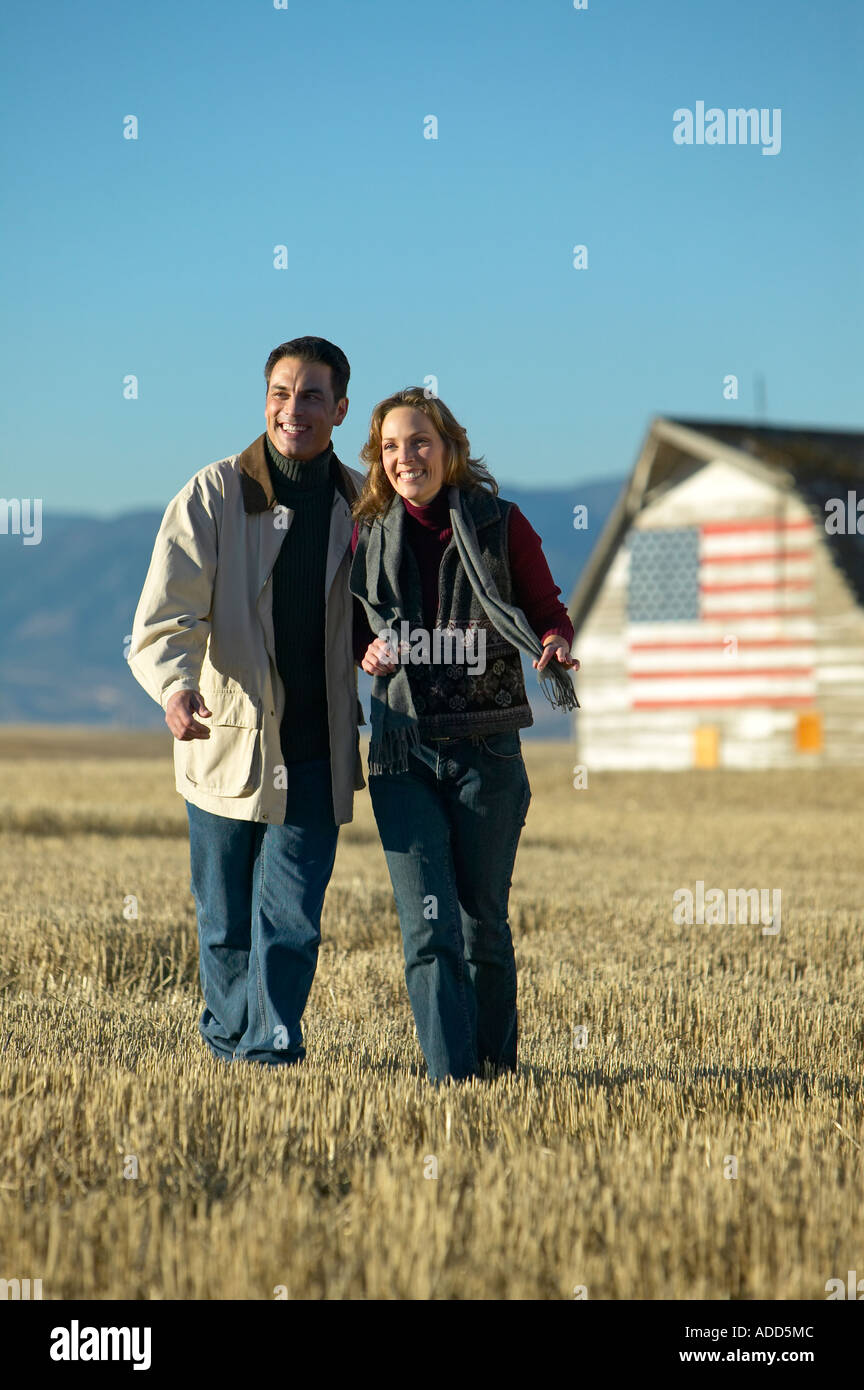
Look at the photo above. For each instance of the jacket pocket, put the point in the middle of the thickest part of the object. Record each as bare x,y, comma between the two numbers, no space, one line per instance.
227,763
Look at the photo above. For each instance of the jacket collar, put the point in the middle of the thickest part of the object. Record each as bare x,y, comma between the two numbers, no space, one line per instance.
257,488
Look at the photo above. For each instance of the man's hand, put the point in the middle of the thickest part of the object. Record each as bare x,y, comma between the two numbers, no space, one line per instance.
180,715
556,647
378,660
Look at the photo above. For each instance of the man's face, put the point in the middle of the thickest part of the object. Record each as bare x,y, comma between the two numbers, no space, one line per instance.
300,408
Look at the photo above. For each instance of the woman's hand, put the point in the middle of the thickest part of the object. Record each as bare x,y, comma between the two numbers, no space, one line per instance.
378,660
559,648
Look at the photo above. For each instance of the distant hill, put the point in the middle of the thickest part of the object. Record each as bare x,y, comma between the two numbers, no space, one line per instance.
66,607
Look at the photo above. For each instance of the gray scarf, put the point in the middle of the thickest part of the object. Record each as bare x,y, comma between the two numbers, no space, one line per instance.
375,581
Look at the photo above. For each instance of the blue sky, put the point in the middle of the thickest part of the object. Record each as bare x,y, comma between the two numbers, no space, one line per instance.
448,257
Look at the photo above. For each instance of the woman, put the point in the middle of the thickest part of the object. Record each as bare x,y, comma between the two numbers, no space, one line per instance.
439,555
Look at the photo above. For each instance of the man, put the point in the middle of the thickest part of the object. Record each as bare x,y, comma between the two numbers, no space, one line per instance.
243,635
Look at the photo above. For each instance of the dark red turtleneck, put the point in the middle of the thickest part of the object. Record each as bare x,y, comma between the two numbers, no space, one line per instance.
428,532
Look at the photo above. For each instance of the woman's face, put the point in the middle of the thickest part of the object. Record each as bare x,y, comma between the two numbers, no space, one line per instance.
413,454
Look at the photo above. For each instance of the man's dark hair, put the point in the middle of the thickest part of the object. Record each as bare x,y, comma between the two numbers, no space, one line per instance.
314,350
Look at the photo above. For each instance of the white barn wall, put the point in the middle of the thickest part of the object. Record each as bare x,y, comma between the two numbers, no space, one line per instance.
613,736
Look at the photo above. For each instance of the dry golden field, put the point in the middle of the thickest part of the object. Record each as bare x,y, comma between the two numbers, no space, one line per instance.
602,1167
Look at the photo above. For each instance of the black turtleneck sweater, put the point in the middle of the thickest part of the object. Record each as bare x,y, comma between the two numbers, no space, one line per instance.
306,486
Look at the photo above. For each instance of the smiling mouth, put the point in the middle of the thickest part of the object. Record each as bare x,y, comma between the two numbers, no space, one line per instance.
410,475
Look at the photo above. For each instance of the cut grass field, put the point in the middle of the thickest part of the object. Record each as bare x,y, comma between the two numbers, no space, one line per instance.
604,1167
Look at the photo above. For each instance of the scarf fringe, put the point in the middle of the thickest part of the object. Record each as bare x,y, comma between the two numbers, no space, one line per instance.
558,687
389,750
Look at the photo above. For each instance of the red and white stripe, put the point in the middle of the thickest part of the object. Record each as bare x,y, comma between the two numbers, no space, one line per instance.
753,643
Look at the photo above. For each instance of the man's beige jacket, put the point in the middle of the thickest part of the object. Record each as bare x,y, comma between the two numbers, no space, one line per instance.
205,622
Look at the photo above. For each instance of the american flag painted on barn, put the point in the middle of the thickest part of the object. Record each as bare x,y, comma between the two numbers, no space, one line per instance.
721,614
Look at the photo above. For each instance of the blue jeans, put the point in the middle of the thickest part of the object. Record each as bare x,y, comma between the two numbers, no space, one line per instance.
450,828
259,890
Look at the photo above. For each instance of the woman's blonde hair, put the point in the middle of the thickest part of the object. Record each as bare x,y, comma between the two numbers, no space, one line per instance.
460,470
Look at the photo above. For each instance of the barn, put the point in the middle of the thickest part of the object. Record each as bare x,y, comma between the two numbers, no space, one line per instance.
720,616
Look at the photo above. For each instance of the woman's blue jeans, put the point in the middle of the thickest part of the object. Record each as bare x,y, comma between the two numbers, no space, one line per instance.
450,828
259,890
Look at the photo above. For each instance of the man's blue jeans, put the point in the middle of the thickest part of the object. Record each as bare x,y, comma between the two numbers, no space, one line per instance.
450,828
259,890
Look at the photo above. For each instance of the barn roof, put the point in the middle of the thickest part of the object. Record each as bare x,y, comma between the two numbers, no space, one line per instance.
817,464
